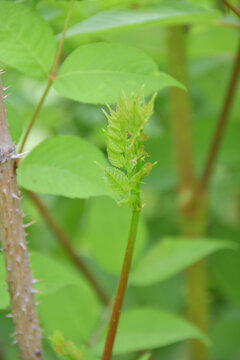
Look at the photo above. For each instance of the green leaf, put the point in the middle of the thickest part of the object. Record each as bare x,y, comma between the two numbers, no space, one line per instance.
67,302
225,268
166,13
107,233
116,180
64,165
170,256
115,158
14,122
100,72
210,42
52,276
89,355
73,310
145,357
151,328
26,40
225,335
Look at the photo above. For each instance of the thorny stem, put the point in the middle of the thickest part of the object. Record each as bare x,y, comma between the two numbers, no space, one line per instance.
121,289
232,7
50,81
66,244
20,284
221,126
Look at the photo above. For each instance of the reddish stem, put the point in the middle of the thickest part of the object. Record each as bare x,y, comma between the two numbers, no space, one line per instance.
221,126
121,289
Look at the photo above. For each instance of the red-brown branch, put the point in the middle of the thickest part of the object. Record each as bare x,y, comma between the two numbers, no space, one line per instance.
221,126
66,244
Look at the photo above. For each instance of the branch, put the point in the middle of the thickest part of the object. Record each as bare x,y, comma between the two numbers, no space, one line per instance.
222,122
66,244
232,7
19,279
50,81
180,116
34,117
191,217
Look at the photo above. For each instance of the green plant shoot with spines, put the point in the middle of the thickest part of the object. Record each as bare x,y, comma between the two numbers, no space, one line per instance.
124,138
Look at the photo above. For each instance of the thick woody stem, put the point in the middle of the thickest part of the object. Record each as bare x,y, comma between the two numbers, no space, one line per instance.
20,284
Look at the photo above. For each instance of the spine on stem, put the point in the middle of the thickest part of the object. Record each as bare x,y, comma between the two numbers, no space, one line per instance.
27,334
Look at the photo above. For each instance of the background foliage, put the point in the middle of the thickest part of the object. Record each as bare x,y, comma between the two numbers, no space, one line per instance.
111,44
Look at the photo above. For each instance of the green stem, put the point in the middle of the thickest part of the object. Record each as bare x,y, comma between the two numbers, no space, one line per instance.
180,107
51,79
191,210
194,225
34,117
121,289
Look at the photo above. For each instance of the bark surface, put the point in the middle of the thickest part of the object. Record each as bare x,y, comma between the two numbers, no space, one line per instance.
27,333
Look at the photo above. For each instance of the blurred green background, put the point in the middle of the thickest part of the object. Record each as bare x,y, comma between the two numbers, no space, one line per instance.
97,227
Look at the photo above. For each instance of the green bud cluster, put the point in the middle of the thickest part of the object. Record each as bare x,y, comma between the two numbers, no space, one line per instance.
124,138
